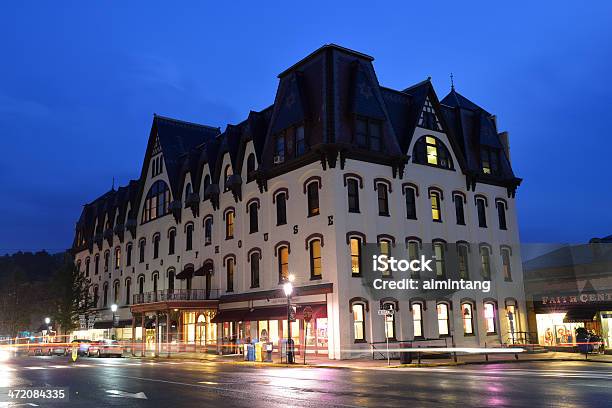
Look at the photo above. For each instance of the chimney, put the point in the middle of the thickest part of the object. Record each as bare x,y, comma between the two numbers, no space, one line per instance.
505,141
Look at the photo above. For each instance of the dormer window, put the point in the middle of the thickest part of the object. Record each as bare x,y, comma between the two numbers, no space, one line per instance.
489,158
226,175
368,133
431,151
157,202
289,143
251,167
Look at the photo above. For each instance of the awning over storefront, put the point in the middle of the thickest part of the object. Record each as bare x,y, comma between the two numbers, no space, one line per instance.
230,316
267,313
576,315
121,324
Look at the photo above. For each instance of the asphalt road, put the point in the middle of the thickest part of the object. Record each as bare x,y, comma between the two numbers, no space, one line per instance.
134,383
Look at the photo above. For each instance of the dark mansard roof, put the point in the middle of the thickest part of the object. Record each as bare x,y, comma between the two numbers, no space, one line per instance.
325,91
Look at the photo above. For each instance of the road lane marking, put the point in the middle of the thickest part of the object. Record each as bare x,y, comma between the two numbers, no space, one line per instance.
229,390
125,394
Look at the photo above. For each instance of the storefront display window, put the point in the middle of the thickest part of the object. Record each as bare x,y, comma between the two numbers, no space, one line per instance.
552,331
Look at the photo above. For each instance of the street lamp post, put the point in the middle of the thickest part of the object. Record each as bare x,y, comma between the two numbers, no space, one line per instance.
114,310
288,288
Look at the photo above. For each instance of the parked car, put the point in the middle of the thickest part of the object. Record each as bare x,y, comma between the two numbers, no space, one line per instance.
50,349
82,345
105,348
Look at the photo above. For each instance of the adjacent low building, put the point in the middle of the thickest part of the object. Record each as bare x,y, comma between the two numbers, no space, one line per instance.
195,251
567,288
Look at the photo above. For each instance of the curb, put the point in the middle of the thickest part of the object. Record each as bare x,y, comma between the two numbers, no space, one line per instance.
259,364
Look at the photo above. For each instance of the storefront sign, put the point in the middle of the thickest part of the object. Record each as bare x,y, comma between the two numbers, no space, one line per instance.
576,299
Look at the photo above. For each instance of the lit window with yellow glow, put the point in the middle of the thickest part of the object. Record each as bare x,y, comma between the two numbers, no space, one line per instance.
436,213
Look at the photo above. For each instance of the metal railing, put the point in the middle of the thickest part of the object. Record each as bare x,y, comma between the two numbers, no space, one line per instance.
175,294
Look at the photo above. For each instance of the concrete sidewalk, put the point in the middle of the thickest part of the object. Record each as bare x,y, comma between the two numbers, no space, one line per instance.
363,363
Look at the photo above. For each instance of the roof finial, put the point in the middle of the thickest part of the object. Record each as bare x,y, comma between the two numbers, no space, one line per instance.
113,187
452,82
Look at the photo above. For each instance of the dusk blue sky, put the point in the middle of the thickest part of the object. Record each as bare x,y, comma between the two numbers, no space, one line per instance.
79,86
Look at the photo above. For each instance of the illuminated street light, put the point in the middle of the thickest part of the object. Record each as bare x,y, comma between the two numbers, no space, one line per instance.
113,308
47,320
288,289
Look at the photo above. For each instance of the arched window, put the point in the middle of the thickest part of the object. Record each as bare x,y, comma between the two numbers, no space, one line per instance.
485,261
156,202
439,250
359,313
312,190
105,294
463,249
97,264
171,241
413,245
281,208
384,248
467,314
116,292
482,212
383,200
352,188
141,250
315,259
189,237
226,175
253,219
117,257
506,254
230,264
128,254
251,167
459,211
78,266
106,260
489,315
155,281
128,290
431,151
170,280
254,258
141,282
355,243
436,208
208,231
443,320
501,213
411,194
87,262
417,319
229,224
282,253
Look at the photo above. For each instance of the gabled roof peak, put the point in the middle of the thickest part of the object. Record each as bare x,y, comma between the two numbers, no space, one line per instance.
325,47
455,100
426,81
184,122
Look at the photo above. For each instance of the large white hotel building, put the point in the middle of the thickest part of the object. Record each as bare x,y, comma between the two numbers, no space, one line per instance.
195,251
